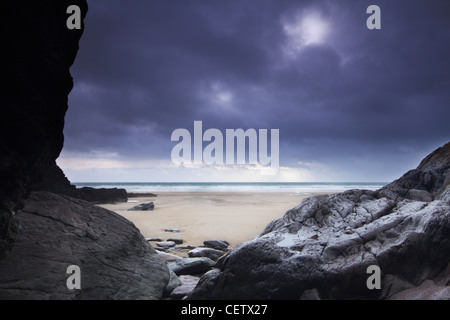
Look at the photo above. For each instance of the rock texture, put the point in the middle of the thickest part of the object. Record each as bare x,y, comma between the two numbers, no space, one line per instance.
143,207
322,248
38,52
191,266
213,254
216,244
187,284
57,231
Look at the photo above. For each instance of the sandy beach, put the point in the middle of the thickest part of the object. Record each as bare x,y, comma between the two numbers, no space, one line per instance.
232,216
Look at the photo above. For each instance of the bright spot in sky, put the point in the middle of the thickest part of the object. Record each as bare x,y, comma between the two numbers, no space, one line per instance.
306,29
221,97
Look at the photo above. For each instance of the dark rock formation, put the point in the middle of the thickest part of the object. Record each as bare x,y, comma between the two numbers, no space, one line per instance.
216,244
52,232
191,266
213,254
141,195
166,244
51,178
143,207
176,240
323,247
187,284
38,52
174,282
102,195
57,231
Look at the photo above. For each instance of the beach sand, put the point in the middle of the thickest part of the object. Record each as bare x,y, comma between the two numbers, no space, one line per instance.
234,217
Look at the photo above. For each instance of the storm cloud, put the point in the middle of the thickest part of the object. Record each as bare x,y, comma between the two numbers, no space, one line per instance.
352,104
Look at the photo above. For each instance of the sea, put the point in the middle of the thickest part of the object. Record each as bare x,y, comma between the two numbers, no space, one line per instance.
291,187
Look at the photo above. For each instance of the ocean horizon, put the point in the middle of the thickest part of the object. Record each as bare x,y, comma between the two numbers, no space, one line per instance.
294,187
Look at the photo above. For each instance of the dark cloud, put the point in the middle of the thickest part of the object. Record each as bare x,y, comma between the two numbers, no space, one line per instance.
146,68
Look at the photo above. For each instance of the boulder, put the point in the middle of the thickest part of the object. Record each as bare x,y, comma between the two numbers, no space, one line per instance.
213,254
166,244
191,266
153,239
216,244
176,240
168,257
323,247
188,284
174,282
56,232
143,207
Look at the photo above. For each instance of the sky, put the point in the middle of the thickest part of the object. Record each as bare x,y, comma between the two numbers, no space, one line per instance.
351,104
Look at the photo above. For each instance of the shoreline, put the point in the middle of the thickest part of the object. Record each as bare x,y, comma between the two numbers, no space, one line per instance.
232,216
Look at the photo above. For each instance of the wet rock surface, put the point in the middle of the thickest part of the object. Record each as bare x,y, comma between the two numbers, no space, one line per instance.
57,231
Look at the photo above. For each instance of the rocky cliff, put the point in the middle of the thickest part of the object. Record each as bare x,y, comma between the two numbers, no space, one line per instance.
37,53
322,248
51,178
43,234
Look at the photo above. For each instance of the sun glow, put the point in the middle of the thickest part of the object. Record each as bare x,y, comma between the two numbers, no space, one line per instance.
306,29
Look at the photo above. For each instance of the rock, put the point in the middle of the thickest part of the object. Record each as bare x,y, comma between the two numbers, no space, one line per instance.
174,282
323,247
428,290
216,244
143,194
57,231
191,266
168,257
187,247
213,254
153,239
188,284
36,64
177,241
419,195
435,289
166,244
394,284
143,207
102,195
312,294
52,179
172,230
